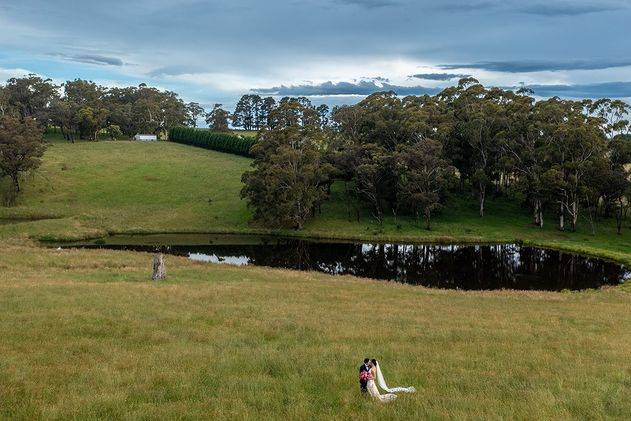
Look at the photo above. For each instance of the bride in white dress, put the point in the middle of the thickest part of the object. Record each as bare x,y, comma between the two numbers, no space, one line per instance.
375,373
372,386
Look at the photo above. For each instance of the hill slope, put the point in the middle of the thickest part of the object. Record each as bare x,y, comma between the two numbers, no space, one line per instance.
135,187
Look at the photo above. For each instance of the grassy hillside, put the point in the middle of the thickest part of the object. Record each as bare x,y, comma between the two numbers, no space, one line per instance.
131,186
85,334
124,187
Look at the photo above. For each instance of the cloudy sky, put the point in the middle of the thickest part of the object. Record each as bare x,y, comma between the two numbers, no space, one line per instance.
332,50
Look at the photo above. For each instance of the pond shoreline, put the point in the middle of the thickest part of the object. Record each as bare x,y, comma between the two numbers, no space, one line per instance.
467,266
576,248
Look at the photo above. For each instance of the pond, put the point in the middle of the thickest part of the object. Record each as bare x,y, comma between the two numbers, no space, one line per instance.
466,267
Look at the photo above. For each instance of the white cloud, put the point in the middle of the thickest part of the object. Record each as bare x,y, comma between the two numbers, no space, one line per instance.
9,73
214,49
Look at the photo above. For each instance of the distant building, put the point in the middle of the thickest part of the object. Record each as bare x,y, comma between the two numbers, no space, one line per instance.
146,137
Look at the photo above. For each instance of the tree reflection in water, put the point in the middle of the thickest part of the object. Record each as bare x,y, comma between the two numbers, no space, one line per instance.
468,267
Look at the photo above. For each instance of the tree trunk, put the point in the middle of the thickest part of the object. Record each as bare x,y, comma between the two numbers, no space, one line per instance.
537,213
428,216
16,183
619,218
482,197
561,218
159,269
574,214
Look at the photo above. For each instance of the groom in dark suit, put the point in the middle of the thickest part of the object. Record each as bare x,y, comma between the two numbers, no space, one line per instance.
363,368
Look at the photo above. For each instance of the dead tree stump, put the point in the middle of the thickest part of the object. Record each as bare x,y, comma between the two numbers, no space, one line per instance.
159,270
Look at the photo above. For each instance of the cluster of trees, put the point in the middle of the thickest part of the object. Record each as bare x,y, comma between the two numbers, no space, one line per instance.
82,109
291,175
253,112
408,155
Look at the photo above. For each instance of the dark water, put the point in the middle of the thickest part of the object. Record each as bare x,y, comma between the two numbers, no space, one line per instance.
467,267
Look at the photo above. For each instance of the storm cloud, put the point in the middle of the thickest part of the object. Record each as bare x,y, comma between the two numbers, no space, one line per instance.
527,66
344,88
97,59
371,4
438,76
213,51
569,8
595,90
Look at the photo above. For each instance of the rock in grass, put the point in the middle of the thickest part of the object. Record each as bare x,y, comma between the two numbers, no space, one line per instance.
159,269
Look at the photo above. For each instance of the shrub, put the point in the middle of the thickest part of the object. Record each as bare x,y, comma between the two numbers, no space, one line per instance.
222,142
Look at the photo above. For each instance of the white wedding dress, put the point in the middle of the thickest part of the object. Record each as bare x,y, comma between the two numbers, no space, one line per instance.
384,386
374,392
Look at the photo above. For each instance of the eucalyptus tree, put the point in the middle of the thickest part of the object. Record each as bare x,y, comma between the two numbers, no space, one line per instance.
86,99
217,119
21,147
524,153
267,106
65,115
194,111
92,121
574,141
382,121
4,101
244,114
157,111
84,93
323,114
613,115
292,112
30,96
372,177
347,120
287,181
618,189
123,113
424,177
479,117
427,117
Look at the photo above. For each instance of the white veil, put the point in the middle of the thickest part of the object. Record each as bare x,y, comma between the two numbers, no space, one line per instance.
384,386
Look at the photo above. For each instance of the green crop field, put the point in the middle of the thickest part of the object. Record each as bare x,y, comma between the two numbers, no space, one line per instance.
86,334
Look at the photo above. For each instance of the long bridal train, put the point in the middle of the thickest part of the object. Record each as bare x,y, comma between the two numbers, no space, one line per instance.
384,386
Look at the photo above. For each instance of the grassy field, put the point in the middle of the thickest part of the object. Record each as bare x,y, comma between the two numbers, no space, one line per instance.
92,189
85,334
89,189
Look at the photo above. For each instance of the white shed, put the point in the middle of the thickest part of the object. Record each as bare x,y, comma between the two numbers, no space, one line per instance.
146,137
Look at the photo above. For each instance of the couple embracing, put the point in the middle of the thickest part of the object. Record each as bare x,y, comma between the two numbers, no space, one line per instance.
368,372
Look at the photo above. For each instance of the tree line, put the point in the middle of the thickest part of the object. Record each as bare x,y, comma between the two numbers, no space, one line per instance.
254,112
78,109
82,109
407,156
393,155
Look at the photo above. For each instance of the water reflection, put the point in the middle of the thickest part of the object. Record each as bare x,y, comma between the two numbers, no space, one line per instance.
468,267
